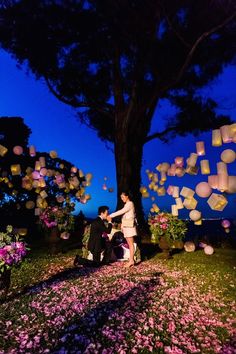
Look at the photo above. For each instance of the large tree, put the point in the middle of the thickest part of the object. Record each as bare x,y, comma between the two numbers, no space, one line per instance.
115,60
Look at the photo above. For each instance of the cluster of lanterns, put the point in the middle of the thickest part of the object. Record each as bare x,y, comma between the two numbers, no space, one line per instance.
221,182
105,187
39,177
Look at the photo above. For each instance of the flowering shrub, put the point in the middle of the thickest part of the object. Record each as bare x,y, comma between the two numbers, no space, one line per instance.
12,249
168,226
58,216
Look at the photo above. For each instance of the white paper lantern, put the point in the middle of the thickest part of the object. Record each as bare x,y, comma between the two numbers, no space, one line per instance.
216,137
3,150
187,192
225,133
228,156
200,148
175,193
192,159
231,185
179,161
203,189
217,202
53,154
18,150
205,168
213,181
65,235
179,203
208,250
223,182
174,210
32,151
29,204
190,203
189,246
195,215
15,170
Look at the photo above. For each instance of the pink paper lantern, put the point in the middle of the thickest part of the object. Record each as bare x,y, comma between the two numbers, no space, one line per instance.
225,223
203,189
18,150
208,250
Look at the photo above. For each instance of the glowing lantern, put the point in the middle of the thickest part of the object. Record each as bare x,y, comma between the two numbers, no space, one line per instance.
143,189
208,250
170,190
155,178
151,186
231,185
104,187
42,161
179,171
35,183
53,154
190,203
187,192
22,231
37,211
195,215
32,151
225,133
189,246
200,148
29,204
163,176
227,230
198,222
49,173
232,129
161,191
217,202
43,194
61,166
88,176
35,175
223,182
74,169
65,235
216,137
192,170
164,167
221,168
81,174
174,210
110,190
179,161
37,166
43,171
213,181
74,182
203,189
171,171
15,170
26,183
158,167
205,168
225,224
60,178
175,193
192,159
3,150
179,203
155,208
145,195
18,150
228,156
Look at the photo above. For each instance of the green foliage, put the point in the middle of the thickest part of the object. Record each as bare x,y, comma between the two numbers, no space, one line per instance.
168,226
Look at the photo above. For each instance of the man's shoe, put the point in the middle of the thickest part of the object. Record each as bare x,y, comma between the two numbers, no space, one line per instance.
77,261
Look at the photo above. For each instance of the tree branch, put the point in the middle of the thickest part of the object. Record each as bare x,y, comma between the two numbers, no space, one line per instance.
75,104
159,135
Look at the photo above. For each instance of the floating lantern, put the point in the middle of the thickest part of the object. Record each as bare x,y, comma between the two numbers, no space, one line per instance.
43,194
88,176
53,154
190,203
43,171
18,150
175,193
232,129
198,222
179,203
189,246
170,190
217,202
37,211
65,235
35,183
200,148
49,173
192,159
164,167
37,166
227,230
192,170
22,231
29,170
74,182
29,204
110,190
161,191
3,150
208,250
179,171
26,183
216,137
172,170
223,182
205,168
231,185
213,181
228,156
35,175
174,210
104,187
163,176
187,192
155,208
15,170
81,174
195,215
42,161
61,166
179,161
225,223
143,189
151,186
32,151
203,189
221,168
225,133
74,169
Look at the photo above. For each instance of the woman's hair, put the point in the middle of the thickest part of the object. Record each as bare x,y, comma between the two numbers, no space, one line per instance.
127,194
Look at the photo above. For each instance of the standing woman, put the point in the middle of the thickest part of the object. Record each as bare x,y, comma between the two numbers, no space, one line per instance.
128,224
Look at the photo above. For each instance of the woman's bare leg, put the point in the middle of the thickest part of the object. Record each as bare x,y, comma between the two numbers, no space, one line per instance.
130,241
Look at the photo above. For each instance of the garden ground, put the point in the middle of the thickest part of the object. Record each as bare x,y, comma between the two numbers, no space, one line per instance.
183,305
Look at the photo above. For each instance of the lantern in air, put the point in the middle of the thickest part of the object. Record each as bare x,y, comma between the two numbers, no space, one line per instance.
174,210
192,159
200,148
180,171
35,175
65,235
155,208
223,182
179,161
231,185
18,150
216,137
208,250
203,189
37,166
213,181
43,171
170,190
171,171
3,150
217,202
175,193
29,204
187,192
32,151
15,170
228,156
198,222
205,168
37,211
53,154
163,176
179,203
73,169
161,191
43,194
42,161
225,223
225,134
192,170
221,168
190,203
88,177
195,215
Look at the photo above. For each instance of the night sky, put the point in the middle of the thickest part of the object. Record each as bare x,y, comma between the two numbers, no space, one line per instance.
55,127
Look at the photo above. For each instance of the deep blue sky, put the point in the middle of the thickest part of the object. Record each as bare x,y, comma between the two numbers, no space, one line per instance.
55,127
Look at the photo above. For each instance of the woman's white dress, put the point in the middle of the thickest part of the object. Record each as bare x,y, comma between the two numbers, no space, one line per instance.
127,212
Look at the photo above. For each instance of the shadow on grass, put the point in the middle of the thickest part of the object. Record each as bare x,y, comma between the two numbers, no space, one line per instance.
79,334
71,273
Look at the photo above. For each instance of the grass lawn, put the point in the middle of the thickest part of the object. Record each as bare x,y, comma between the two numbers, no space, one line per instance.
183,305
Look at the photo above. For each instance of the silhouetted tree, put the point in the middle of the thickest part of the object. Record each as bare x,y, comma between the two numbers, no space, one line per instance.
114,61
